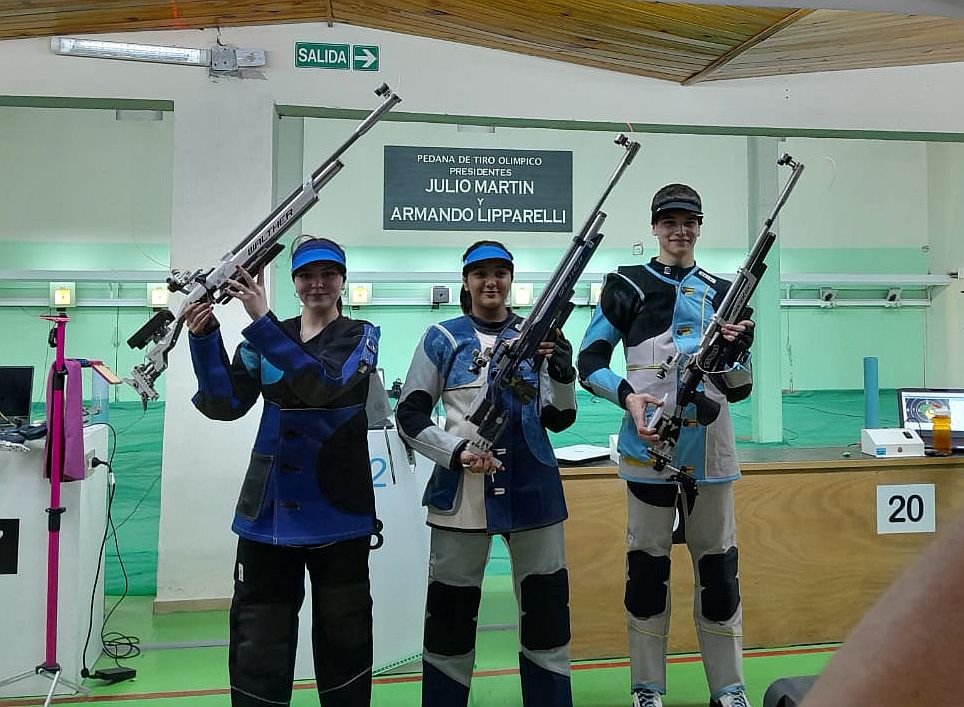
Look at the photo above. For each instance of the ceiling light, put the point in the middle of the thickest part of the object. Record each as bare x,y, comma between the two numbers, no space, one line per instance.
100,49
490,129
129,114
220,58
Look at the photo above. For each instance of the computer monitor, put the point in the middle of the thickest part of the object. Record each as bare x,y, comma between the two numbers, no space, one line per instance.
916,408
16,386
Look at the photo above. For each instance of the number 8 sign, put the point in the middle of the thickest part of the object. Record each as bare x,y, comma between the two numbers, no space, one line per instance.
906,508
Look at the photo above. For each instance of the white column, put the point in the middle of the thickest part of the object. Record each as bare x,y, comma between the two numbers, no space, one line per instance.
222,190
762,188
944,347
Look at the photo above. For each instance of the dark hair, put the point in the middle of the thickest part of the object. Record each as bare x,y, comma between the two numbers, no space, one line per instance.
305,239
465,299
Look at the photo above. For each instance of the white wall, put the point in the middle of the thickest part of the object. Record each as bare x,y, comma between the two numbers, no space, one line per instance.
81,175
222,164
857,194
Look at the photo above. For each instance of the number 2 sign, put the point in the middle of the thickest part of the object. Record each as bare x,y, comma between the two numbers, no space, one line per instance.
906,508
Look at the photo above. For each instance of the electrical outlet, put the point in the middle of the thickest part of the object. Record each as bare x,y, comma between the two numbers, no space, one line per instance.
637,248
88,462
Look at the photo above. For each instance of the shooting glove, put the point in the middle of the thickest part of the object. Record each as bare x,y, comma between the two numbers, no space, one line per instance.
560,365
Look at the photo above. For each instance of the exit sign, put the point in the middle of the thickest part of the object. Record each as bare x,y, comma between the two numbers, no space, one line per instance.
309,55
313,55
364,57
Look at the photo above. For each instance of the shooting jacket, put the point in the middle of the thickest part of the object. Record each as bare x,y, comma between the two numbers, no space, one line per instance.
309,479
527,492
656,310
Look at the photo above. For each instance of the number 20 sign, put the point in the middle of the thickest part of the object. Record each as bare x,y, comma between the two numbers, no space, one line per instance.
906,508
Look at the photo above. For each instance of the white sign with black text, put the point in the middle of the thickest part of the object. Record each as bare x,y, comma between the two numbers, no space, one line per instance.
906,508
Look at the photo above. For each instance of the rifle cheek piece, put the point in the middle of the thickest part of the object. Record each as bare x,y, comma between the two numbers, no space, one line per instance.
155,328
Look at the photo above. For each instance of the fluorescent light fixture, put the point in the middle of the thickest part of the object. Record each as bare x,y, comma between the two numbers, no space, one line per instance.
158,295
63,294
101,49
475,129
129,114
221,59
595,289
522,294
360,293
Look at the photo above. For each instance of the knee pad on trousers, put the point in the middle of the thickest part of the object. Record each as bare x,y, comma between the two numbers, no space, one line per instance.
262,650
341,633
544,600
720,595
646,586
451,618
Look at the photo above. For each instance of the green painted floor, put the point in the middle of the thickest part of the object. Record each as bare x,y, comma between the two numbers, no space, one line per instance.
179,677
197,674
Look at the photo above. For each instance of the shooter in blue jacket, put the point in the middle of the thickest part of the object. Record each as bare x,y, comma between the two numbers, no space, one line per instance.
307,497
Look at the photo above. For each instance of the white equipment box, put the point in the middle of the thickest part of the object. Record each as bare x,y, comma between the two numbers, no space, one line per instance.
897,442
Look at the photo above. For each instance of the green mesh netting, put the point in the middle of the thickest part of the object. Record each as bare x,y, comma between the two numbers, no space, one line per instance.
827,418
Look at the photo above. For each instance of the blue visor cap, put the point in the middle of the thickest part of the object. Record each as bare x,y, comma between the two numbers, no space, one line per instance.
487,252
317,252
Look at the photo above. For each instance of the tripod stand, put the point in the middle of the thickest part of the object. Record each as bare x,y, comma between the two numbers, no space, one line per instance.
50,668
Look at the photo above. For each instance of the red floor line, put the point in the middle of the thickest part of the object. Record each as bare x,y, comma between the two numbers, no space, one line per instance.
397,679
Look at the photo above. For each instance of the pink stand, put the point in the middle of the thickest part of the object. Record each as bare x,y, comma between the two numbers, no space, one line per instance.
50,668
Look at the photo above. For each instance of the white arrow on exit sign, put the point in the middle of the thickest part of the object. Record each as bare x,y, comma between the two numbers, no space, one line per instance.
364,58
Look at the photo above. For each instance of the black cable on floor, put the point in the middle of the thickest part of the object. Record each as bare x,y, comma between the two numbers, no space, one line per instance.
115,644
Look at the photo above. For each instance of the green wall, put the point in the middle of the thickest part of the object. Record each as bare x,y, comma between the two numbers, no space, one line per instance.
93,332
822,348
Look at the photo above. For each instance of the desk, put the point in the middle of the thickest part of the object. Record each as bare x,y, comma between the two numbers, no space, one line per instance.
811,562
25,496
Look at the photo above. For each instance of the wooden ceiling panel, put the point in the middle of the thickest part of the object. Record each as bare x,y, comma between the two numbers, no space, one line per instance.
833,40
663,41
682,42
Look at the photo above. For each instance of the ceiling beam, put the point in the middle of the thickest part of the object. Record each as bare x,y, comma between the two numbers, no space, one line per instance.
736,51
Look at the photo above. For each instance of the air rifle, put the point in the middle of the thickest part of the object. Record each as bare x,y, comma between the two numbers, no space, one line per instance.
488,413
253,253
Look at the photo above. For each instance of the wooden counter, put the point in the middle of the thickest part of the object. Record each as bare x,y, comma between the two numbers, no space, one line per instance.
811,561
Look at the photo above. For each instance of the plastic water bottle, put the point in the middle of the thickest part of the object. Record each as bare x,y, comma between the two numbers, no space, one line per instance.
99,398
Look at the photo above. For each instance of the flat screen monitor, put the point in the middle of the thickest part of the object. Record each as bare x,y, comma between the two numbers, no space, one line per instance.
916,407
16,387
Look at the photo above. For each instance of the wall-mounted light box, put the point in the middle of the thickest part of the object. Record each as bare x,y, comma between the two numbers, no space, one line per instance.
521,294
63,294
595,289
359,293
158,295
